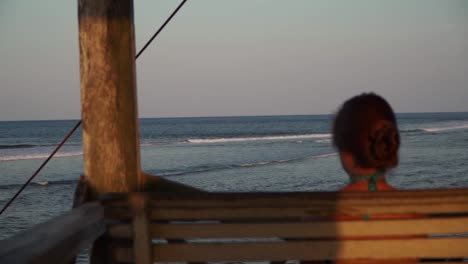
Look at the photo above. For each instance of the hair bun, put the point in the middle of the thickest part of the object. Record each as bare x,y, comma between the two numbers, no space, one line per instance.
383,144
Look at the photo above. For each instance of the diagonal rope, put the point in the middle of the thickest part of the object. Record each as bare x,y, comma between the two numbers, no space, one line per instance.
160,29
79,122
42,166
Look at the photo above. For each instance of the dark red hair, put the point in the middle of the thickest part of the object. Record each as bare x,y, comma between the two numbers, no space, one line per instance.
365,126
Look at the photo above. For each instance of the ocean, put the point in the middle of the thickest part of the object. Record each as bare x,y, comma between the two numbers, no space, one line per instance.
258,153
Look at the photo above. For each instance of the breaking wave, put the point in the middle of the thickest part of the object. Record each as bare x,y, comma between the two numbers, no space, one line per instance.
241,139
209,168
439,129
38,184
40,156
434,129
23,146
412,130
326,140
16,146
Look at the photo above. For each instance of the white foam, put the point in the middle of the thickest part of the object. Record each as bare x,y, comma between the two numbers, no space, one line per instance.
257,163
40,156
222,140
42,183
438,129
324,155
327,140
261,163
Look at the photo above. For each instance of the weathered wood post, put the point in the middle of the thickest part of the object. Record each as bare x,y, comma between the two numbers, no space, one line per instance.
109,103
108,96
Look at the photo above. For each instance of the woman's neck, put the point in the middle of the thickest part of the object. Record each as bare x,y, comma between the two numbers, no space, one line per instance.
372,181
376,176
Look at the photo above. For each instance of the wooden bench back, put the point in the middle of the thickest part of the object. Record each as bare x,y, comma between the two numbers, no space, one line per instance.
289,226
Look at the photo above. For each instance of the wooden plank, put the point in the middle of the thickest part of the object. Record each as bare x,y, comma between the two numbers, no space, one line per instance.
189,213
240,199
262,199
142,245
310,250
324,200
57,240
312,230
300,230
300,204
108,96
288,212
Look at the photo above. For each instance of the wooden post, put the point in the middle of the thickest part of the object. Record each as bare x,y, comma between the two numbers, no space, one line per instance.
108,96
142,244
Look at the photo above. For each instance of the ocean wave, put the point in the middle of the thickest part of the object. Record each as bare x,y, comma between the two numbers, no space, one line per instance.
17,146
439,129
23,146
40,156
415,130
38,184
209,168
159,143
41,183
265,163
323,155
433,129
241,139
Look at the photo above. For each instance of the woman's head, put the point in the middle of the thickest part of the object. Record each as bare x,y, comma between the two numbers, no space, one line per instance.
365,127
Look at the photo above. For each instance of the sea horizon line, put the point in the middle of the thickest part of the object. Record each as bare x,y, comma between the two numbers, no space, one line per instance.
225,116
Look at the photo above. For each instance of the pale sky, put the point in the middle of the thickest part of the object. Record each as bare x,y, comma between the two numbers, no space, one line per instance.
247,57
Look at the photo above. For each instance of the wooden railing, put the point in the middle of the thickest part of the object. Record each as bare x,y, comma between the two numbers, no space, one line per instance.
393,226
145,227
58,240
